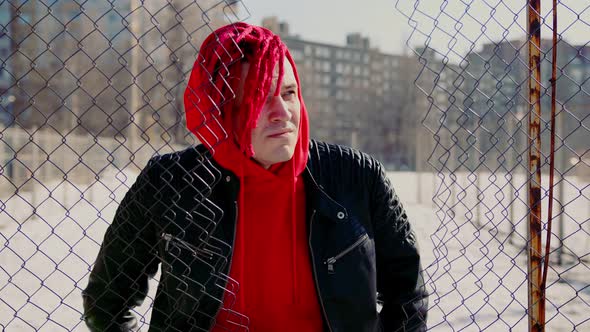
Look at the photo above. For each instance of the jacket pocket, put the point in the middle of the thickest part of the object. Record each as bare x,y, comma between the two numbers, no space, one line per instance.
187,267
171,240
187,274
332,260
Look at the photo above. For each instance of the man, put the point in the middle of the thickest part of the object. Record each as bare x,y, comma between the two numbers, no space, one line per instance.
259,228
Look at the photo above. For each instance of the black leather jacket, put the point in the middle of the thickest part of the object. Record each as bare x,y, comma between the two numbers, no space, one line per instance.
181,212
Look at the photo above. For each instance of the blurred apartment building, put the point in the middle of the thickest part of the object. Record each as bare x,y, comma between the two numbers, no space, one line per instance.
476,109
108,70
358,96
103,68
496,92
119,71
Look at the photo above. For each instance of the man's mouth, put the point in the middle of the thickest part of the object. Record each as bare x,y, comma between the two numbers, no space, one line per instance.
281,133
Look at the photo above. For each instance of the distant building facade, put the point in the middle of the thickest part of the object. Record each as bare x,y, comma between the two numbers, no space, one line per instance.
497,92
96,67
357,95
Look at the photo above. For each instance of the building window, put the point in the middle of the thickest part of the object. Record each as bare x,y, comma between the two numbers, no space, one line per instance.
327,66
345,69
318,106
296,54
318,79
308,50
322,52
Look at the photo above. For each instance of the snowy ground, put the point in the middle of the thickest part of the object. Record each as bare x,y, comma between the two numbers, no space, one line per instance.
477,274
476,277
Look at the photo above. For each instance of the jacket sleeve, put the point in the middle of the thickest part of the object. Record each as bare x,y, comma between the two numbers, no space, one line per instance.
126,261
400,282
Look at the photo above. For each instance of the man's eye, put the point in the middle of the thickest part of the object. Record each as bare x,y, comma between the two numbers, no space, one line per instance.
289,94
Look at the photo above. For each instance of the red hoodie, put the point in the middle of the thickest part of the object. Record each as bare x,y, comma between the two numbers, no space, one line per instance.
272,286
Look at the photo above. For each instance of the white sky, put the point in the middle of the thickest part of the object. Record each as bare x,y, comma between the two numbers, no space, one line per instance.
330,20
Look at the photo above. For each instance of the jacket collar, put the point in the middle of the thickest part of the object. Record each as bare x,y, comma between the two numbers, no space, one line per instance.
316,197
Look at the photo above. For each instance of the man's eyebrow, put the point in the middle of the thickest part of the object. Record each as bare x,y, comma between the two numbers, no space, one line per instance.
290,86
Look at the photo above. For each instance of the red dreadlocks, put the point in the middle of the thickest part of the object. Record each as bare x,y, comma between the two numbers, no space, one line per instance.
215,79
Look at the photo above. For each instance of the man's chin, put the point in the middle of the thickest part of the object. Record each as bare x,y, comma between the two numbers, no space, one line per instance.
282,153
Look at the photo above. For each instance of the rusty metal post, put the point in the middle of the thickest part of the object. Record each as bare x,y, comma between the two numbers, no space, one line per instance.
551,162
534,243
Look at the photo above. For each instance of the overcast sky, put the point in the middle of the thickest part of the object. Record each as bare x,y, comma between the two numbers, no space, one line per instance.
330,20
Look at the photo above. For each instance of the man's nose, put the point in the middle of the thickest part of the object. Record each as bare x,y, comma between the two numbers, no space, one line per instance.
278,110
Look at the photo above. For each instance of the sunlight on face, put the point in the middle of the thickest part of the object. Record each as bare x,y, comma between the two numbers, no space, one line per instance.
275,136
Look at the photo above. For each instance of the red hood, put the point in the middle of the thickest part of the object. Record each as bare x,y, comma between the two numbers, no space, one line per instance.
270,201
209,106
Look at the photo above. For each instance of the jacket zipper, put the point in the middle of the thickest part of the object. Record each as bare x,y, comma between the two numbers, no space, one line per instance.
315,276
194,250
332,260
231,257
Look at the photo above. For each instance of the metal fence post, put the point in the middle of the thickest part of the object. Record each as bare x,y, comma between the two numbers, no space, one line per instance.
34,172
561,189
135,124
511,160
534,243
478,193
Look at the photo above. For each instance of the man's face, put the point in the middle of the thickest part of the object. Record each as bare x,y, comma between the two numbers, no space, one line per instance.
277,130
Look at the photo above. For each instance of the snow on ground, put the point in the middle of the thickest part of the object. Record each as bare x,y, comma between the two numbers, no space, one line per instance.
476,277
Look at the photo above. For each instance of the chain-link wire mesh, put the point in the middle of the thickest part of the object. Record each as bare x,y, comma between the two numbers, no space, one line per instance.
475,76
89,91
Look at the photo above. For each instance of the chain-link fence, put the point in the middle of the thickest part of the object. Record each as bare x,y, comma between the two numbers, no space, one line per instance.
482,109
90,91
